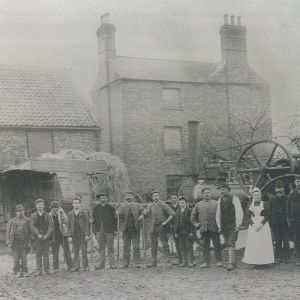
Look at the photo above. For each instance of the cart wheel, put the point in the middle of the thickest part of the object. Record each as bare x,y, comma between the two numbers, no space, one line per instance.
261,162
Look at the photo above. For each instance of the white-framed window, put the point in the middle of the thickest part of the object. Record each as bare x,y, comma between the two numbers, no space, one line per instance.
171,98
173,139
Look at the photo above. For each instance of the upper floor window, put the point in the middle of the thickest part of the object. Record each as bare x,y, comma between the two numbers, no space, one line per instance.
171,98
173,139
39,141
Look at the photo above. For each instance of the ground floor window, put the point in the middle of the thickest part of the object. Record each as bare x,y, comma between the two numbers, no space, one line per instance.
174,182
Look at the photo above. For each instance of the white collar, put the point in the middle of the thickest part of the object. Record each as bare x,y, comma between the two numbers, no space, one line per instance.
76,212
40,214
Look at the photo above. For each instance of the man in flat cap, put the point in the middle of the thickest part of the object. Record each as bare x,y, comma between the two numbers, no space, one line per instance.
129,213
229,218
104,228
18,238
204,218
183,231
79,234
278,222
293,215
160,215
41,225
60,236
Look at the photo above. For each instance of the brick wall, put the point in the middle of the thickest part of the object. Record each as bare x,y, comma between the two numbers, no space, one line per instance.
13,143
144,118
84,140
13,146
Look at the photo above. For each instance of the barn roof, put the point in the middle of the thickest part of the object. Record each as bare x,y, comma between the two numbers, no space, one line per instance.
41,97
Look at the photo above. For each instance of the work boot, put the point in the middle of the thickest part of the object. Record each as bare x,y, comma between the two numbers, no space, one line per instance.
152,264
190,264
219,264
231,259
184,258
75,269
25,274
204,265
19,275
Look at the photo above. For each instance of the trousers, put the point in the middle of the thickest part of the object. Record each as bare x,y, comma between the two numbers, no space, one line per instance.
131,236
80,244
159,232
106,240
42,254
207,236
62,241
19,253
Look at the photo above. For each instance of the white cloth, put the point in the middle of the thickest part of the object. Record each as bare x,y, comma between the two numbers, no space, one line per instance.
259,246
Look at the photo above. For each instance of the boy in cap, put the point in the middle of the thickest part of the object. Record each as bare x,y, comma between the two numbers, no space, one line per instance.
293,215
104,228
278,223
204,218
59,237
41,225
129,213
229,218
183,231
17,238
161,214
79,234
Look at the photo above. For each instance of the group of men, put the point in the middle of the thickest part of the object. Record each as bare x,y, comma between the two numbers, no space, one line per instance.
212,218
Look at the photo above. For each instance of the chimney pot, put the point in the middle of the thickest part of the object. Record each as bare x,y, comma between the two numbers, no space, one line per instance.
105,18
239,20
232,21
225,19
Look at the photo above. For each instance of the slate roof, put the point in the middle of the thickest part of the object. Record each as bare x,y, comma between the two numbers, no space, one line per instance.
122,67
41,97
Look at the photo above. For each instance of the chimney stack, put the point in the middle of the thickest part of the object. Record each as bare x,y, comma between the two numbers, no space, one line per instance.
225,19
233,41
232,21
106,38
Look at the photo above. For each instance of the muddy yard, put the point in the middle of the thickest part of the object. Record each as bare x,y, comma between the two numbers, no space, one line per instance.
163,282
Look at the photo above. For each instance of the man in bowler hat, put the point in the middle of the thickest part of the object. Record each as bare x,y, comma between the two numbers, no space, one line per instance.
41,225
59,237
229,218
129,213
18,238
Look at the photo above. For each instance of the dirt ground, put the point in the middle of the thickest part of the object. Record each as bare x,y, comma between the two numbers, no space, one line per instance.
163,282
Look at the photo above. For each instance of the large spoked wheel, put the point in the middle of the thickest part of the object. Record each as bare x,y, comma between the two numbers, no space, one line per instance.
261,162
288,183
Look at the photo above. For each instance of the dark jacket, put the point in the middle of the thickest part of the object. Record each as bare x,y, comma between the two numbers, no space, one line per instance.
186,221
83,223
36,231
277,205
290,206
136,211
105,215
11,230
265,213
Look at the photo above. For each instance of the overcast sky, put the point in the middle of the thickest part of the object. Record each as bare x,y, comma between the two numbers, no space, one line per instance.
61,33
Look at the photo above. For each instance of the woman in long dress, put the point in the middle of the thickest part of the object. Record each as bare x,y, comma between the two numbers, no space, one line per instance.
259,247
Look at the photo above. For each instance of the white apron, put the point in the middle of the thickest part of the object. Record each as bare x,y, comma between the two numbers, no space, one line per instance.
259,246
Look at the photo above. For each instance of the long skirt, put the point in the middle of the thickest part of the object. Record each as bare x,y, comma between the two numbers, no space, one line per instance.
259,246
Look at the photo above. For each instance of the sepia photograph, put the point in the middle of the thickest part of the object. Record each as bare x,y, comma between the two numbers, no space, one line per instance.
149,149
